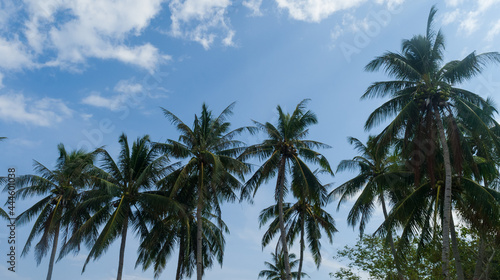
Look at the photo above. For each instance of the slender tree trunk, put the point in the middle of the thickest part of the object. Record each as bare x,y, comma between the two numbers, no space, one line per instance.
391,241
456,252
302,246
280,185
180,260
445,254
199,229
53,253
122,248
480,258
487,266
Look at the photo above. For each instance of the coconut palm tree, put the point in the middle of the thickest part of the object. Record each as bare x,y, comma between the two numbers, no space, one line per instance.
305,218
285,152
210,149
179,231
61,190
423,95
380,177
125,191
276,270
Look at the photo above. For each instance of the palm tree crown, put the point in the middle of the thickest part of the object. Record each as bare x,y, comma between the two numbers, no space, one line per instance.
61,190
286,146
423,97
212,173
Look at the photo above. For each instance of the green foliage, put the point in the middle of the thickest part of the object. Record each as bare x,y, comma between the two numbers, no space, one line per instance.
372,256
276,269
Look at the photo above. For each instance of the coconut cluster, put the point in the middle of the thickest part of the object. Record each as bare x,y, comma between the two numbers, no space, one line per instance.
426,95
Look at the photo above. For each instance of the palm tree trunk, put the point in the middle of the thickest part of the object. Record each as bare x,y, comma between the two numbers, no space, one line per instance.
180,260
456,252
302,246
53,253
445,254
391,241
280,185
199,229
122,248
480,258
487,265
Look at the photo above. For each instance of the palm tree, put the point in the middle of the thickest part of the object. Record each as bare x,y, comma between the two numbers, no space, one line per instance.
276,270
286,147
423,96
380,177
61,190
210,150
306,219
124,193
171,230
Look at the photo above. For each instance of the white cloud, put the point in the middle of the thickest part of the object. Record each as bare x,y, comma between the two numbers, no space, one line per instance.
201,21
254,6
128,87
113,103
451,17
127,93
1,80
8,8
43,112
470,23
315,10
228,41
86,117
68,32
494,31
472,17
13,55
318,10
453,3
484,5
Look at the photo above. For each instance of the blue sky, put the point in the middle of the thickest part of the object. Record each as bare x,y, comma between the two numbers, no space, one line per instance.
82,72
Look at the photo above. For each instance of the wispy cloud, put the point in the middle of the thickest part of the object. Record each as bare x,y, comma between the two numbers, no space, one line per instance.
471,17
315,10
15,107
202,21
254,6
126,93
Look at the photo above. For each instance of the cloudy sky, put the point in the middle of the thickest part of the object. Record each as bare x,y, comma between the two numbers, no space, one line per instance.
81,72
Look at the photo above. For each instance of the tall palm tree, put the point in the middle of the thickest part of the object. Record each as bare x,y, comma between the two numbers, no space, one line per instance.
284,152
210,149
61,190
380,177
276,270
305,218
125,191
302,219
423,96
180,230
